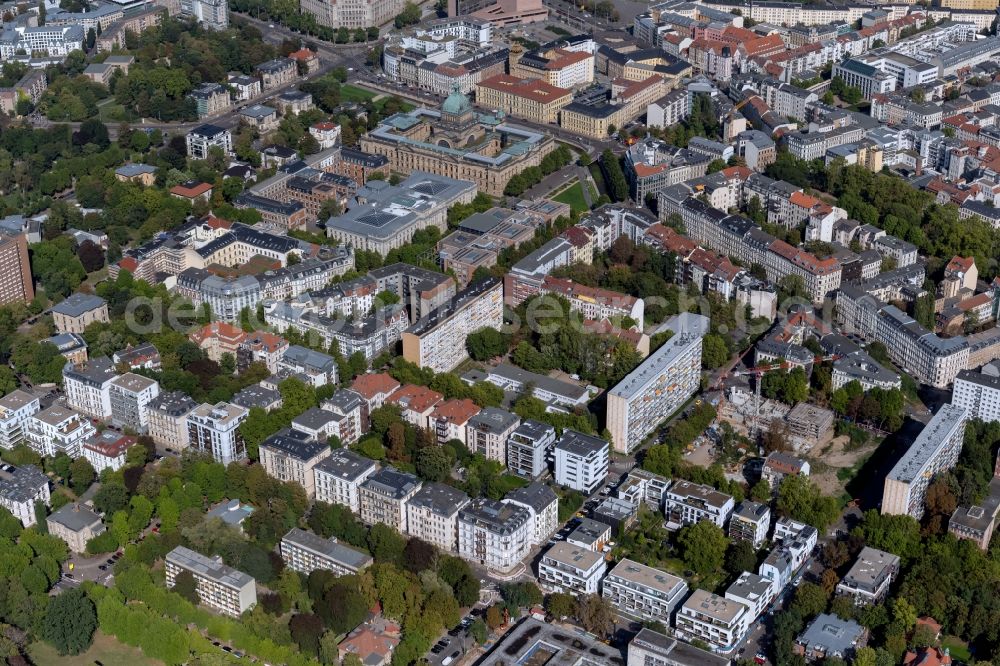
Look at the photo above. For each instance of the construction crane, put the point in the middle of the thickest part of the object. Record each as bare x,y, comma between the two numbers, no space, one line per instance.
759,372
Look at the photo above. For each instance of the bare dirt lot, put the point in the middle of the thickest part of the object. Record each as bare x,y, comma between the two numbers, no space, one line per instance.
832,466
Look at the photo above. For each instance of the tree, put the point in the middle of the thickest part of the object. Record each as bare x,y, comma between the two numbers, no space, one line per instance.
810,599
186,586
91,256
800,499
486,343
111,498
433,464
306,630
494,618
714,352
617,185
740,557
595,614
521,595
81,475
70,622
479,631
761,491
716,165
703,546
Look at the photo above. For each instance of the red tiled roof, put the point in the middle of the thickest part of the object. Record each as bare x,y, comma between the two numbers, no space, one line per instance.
671,240
571,289
129,264
973,302
803,200
371,385
302,54
456,411
577,236
415,398
958,263
191,192
533,89
643,170
218,329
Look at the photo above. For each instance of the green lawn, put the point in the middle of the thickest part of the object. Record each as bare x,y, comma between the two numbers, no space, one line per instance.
958,648
573,195
105,649
352,93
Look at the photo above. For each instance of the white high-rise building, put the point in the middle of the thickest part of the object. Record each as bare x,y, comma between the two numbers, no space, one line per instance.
214,429
978,393
56,430
130,397
659,386
213,14
571,569
495,535
15,409
88,387
581,461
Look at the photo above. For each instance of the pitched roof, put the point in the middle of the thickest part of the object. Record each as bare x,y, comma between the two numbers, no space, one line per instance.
368,386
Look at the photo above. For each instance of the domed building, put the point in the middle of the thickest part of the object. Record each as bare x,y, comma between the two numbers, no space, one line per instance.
456,141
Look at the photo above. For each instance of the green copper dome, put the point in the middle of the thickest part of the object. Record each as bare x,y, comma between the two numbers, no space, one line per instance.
457,103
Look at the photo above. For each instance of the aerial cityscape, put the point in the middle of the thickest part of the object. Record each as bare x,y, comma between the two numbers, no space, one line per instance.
499,333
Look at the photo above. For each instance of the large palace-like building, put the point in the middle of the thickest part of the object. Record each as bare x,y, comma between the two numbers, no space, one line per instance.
457,142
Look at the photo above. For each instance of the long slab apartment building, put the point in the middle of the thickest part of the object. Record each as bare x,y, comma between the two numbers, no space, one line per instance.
220,587
659,386
935,450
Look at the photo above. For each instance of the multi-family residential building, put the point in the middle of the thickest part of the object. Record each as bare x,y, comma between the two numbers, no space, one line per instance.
16,284
719,622
416,402
488,431
213,14
659,386
340,475
581,461
214,429
494,535
374,388
166,420
319,368
202,139
438,341
130,396
350,415
74,314
432,515
141,356
290,455
210,98
450,419
223,588
594,303
20,488
306,552
543,505
383,496
277,72
76,524
753,591
642,592
571,569
591,534
977,393
779,465
935,450
869,578
15,409
58,429
686,503
88,387
651,648
261,347
107,450
750,521
529,447
644,487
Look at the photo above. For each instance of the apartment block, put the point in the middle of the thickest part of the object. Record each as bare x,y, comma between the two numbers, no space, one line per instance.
79,311
438,341
432,515
642,592
16,284
416,403
488,431
977,393
450,419
107,450
750,521
935,450
571,569
870,576
594,303
494,535
58,429
130,396
88,387
686,503
542,504
166,420
659,386
719,622
15,409
75,524
529,448
651,648
779,465
306,552
374,388
581,461
753,591
289,455
383,497
643,487
339,477
223,588
214,429
20,488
